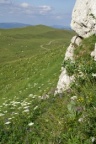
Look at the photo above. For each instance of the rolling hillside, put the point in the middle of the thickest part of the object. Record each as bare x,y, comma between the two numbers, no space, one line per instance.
31,56
30,63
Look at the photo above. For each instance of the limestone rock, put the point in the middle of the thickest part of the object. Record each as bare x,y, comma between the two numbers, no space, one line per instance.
64,81
93,53
84,18
76,40
70,50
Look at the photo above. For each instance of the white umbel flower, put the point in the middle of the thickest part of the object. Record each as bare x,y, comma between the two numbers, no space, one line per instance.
94,74
31,124
80,120
73,98
93,139
1,114
7,123
35,107
26,110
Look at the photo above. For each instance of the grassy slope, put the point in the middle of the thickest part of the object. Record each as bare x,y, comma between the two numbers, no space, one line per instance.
22,77
26,67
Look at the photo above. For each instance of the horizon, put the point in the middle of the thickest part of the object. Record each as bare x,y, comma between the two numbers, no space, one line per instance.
32,24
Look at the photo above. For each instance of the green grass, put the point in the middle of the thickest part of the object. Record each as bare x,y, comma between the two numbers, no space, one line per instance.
25,42
26,67
29,111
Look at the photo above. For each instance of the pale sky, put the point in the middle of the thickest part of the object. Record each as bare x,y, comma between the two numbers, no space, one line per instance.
47,12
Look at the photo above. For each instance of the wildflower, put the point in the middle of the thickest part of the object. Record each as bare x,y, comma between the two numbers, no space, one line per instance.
81,99
9,118
93,139
47,96
28,103
26,110
35,84
14,113
34,96
80,120
5,111
19,108
35,107
44,97
94,74
8,122
39,97
31,124
23,103
73,98
30,95
17,102
81,74
26,107
94,108
1,114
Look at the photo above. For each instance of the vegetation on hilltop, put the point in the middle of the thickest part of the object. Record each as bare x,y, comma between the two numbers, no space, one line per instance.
29,111
25,42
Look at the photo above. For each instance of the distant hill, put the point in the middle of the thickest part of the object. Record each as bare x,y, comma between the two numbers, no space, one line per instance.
12,25
20,25
62,27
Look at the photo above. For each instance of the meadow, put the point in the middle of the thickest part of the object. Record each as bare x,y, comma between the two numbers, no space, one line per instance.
30,64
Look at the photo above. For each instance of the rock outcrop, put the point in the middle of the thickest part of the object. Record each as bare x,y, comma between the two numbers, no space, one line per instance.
70,50
84,18
64,81
84,24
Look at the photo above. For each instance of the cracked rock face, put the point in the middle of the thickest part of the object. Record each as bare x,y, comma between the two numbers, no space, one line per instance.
84,18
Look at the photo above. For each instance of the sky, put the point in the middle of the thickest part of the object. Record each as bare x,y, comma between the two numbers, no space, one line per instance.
34,12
